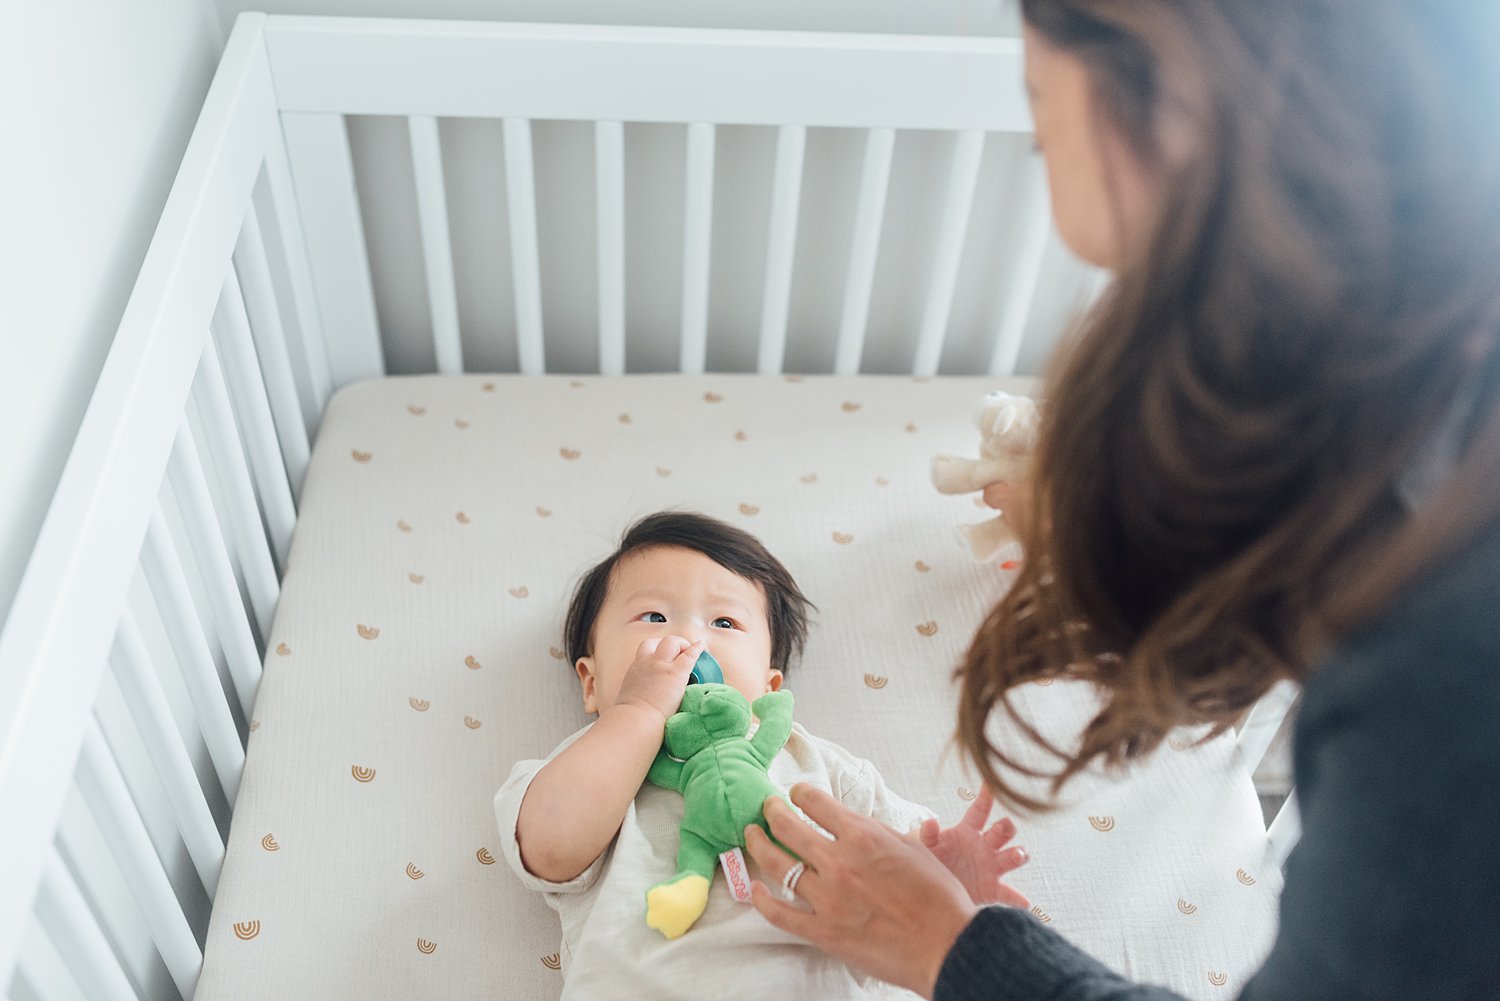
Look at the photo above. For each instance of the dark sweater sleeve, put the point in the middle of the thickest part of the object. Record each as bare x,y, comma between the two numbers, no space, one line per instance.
1393,891
1005,954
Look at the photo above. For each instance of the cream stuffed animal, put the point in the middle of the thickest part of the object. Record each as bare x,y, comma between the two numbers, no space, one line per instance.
1008,430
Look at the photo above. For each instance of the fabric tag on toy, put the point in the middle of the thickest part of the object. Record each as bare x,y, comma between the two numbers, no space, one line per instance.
733,864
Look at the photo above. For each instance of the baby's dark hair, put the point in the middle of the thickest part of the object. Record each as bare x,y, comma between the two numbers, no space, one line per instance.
732,548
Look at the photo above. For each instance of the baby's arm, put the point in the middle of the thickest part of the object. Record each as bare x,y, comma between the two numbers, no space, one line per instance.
575,805
666,771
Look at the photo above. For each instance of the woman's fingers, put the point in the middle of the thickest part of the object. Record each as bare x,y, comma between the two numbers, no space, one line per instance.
765,852
880,902
776,864
829,814
794,832
784,916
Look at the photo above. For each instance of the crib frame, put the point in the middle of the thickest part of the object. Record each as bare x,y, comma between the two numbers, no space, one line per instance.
149,595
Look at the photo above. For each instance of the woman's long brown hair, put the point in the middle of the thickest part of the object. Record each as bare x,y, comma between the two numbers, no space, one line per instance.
1213,499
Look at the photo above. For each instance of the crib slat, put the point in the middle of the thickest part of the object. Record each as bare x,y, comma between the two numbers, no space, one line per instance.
962,174
81,844
1034,226
189,489
123,739
1266,717
264,315
437,251
1095,284
786,195
317,147
103,787
279,201
63,616
243,517
1285,830
874,182
609,147
64,914
149,620
163,568
526,267
41,970
697,233
249,394
148,706
296,350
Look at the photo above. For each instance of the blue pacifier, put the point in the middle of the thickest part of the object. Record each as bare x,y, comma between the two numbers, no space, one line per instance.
706,671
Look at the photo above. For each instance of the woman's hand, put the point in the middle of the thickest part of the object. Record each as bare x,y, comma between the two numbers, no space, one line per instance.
882,903
978,857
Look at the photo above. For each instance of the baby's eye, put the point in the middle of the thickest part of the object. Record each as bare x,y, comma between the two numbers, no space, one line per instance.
724,622
654,617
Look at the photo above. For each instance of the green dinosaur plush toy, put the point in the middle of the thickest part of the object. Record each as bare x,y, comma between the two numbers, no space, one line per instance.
718,762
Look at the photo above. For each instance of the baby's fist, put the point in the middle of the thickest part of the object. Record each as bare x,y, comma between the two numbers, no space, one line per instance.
659,674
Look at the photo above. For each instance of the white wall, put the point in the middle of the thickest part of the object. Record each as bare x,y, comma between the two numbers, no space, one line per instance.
98,99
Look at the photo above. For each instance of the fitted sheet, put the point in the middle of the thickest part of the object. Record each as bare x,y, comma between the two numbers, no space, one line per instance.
416,654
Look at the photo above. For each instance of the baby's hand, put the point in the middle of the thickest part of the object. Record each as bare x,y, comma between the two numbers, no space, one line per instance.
978,857
1011,501
659,674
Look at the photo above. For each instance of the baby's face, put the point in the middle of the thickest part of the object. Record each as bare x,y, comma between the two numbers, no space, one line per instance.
668,591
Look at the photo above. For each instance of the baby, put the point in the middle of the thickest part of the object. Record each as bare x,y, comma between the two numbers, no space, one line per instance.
585,829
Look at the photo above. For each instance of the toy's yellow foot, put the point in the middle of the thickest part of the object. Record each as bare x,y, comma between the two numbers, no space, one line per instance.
671,908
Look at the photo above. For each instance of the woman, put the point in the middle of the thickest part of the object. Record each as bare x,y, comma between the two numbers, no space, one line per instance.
1272,451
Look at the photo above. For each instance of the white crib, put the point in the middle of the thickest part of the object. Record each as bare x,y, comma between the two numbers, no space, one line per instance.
262,243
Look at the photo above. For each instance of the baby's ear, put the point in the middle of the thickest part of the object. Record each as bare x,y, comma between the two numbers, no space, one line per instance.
589,683
774,680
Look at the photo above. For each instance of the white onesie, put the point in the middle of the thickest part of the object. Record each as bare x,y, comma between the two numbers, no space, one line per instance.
731,952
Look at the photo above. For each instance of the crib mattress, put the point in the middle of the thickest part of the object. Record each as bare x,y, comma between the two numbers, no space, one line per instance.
416,654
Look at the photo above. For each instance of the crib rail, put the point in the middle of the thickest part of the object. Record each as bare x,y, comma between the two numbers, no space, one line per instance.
130,661
328,69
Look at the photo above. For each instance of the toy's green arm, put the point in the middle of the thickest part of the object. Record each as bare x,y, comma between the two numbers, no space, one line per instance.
665,771
774,710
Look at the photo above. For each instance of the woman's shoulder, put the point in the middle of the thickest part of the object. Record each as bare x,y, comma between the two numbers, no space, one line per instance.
1390,890
1433,657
